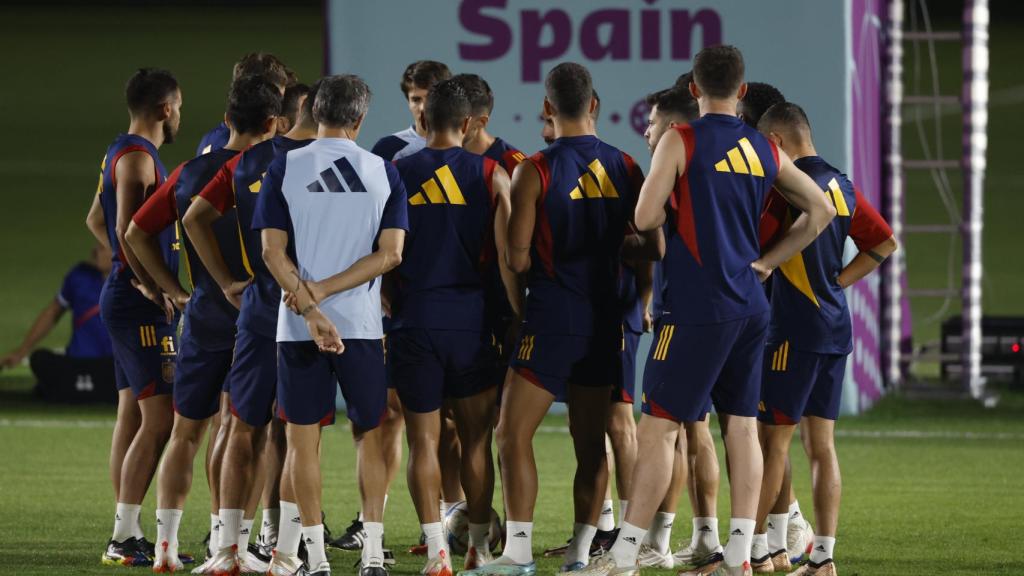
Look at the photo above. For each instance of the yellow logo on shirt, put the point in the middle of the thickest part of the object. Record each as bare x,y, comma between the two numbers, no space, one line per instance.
594,183
734,161
433,191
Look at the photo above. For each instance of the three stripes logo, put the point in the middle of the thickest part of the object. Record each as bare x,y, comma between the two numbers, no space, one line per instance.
780,358
329,181
147,335
433,191
664,339
594,183
734,160
255,186
838,200
518,156
526,348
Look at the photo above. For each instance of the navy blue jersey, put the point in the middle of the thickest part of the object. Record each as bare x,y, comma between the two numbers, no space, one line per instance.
449,249
506,155
121,303
209,316
713,219
630,300
237,185
808,306
80,293
215,139
588,195
399,145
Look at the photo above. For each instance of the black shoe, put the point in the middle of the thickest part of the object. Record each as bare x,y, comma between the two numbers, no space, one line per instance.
258,551
352,539
206,546
603,541
373,571
127,553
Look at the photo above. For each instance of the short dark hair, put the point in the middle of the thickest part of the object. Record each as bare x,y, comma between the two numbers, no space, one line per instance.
251,101
290,102
683,82
148,89
569,89
718,71
784,115
760,97
264,64
424,74
597,105
307,105
481,98
447,106
341,100
674,101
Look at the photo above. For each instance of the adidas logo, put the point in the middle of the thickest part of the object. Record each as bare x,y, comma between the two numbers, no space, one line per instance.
520,534
117,517
630,539
159,522
330,182
244,532
594,183
607,511
734,160
433,191
297,520
705,528
820,548
737,532
771,525
309,541
667,526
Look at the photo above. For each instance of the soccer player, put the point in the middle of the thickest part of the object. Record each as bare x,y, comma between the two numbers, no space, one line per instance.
251,64
715,172
758,99
343,211
570,210
209,322
253,374
809,339
478,139
417,80
139,318
440,345
292,102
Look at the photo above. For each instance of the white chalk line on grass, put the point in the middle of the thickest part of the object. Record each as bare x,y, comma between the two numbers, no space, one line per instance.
54,423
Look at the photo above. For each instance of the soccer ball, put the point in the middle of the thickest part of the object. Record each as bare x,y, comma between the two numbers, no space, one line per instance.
456,525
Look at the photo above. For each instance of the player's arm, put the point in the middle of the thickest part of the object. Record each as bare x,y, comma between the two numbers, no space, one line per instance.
800,191
42,326
96,223
134,173
215,199
874,240
385,258
156,213
501,184
644,274
648,244
524,193
668,163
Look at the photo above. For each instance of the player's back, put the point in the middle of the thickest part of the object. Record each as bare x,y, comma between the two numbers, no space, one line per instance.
121,302
713,224
259,301
450,245
505,154
588,193
335,195
209,316
215,139
399,145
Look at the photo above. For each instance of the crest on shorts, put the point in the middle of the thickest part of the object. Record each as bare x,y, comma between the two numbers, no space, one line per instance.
167,371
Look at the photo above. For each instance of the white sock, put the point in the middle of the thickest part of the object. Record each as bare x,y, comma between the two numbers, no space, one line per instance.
705,533
660,535
741,536
627,545
794,510
125,517
606,522
313,536
373,546
244,533
137,526
623,505
759,546
289,531
230,526
167,522
214,533
268,528
519,542
478,536
579,546
778,524
434,533
822,550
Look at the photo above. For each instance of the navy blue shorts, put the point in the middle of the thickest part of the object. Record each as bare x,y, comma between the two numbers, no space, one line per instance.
307,382
428,366
798,384
253,378
553,361
199,380
627,387
144,358
687,365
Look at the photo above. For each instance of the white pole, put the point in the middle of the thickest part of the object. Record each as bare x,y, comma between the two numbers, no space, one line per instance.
892,317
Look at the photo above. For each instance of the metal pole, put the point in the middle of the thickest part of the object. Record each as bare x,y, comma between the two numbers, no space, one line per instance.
893,271
975,143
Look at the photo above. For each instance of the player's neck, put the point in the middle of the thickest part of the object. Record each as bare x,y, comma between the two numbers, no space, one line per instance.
802,151
419,130
481,143
566,128
443,140
302,132
239,142
330,132
151,131
718,106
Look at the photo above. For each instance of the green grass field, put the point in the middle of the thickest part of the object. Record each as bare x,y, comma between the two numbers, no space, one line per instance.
929,487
